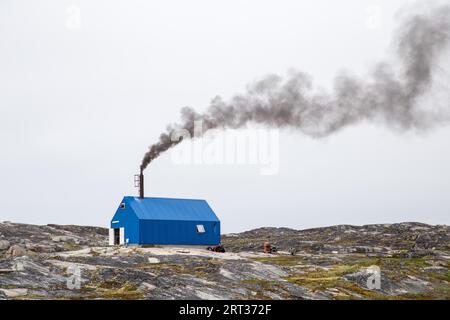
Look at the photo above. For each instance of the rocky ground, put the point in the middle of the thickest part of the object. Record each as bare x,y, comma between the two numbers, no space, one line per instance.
74,262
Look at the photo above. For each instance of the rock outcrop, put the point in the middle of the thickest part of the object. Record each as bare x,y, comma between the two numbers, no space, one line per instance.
400,261
16,251
4,245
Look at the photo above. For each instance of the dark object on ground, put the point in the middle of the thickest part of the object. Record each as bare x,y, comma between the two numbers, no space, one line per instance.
218,248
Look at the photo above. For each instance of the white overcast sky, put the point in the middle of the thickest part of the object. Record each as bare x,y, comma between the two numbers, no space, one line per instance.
81,100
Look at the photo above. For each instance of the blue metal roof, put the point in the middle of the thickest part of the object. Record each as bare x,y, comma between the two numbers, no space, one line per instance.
171,209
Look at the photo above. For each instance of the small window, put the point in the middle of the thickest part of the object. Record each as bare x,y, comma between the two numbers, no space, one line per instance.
200,228
122,205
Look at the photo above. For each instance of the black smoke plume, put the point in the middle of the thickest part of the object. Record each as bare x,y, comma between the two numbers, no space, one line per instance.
389,95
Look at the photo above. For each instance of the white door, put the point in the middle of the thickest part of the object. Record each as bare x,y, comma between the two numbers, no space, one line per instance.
111,237
122,235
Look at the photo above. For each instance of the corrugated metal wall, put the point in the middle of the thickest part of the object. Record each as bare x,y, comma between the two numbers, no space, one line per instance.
127,219
178,232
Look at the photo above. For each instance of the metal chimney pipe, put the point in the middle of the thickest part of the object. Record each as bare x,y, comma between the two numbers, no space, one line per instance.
141,184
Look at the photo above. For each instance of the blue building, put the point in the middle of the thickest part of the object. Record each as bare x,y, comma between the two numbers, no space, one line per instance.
164,221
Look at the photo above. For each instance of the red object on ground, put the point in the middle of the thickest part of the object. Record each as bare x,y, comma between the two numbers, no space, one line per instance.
267,247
